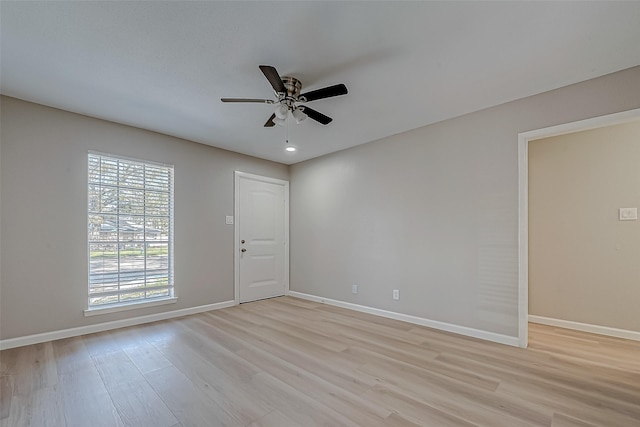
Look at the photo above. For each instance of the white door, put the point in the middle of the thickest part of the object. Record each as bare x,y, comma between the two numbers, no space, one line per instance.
262,267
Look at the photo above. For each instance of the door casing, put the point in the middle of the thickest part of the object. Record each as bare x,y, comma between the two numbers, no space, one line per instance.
523,200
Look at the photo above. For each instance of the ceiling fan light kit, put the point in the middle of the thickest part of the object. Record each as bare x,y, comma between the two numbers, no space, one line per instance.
298,115
281,111
287,90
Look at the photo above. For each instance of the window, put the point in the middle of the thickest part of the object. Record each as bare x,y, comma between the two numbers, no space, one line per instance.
130,231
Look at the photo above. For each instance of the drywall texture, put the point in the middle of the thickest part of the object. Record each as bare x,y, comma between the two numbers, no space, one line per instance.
432,212
584,263
44,223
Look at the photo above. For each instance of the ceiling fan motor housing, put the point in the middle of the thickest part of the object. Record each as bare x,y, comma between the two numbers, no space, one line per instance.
293,87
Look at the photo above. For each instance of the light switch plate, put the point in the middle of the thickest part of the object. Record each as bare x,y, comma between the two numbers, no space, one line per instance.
628,214
228,220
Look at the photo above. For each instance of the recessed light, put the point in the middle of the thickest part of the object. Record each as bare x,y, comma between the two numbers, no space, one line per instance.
290,148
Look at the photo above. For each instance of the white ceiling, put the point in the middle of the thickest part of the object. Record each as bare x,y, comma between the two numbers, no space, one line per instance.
164,66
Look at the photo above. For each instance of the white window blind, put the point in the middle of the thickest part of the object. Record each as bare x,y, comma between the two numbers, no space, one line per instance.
130,231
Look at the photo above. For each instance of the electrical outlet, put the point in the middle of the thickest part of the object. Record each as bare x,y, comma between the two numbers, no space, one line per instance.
628,214
396,294
354,289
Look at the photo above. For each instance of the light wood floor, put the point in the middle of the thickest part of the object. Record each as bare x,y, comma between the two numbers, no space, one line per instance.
288,362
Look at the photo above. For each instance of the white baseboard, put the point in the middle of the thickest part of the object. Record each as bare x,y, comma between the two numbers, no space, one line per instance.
99,327
462,330
586,327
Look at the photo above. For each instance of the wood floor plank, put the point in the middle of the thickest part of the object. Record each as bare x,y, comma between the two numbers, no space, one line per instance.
462,397
303,334
309,324
211,350
157,331
331,366
20,413
462,407
8,360
299,407
253,333
397,420
547,379
35,369
202,324
127,338
376,320
428,372
383,343
290,362
295,302
86,400
232,394
375,329
583,408
147,358
116,368
560,420
346,403
47,408
6,392
274,418
100,343
71,355
140,406
413,411
185,400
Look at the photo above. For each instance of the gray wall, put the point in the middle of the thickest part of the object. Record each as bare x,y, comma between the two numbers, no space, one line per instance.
44,205
584,263
433,211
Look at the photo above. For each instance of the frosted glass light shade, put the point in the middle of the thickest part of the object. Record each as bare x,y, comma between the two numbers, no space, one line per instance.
299,115
281,112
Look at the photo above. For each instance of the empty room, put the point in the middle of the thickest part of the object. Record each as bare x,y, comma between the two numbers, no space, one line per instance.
319,213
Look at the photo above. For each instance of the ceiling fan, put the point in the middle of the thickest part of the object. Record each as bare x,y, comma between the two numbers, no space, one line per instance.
287,90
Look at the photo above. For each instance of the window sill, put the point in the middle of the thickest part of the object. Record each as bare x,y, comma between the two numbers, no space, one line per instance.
130,306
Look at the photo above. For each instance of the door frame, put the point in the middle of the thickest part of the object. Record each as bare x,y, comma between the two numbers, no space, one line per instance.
236,229
523,200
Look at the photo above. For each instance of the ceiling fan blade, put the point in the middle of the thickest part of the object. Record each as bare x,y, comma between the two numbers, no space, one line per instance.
274,78
270,123
262,101
315,115
326,92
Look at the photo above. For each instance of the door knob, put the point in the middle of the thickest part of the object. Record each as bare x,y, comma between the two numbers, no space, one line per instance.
243,250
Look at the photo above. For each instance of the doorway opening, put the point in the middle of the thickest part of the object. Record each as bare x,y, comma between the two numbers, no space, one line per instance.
523,168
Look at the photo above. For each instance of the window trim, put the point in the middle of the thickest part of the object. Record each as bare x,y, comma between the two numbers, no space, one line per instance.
172,298
114,308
